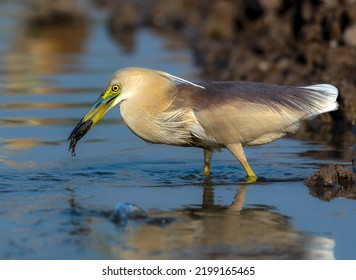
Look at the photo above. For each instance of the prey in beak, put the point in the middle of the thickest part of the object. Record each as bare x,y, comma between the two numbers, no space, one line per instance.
105,102
78,132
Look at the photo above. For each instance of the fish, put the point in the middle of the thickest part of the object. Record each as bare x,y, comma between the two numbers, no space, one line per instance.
79,131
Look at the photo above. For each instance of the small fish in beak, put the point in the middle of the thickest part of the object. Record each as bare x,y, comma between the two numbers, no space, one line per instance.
79,131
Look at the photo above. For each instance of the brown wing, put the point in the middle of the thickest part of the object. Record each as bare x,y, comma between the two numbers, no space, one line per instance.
253,113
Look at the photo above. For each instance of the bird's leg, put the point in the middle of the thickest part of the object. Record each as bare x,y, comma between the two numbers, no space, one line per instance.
238,152
207,160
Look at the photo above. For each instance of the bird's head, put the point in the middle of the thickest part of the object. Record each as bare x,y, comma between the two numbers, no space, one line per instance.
124,84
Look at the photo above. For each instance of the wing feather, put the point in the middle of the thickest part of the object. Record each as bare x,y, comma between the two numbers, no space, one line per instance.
253,113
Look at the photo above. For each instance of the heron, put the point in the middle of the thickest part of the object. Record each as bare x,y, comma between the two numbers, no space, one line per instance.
162,108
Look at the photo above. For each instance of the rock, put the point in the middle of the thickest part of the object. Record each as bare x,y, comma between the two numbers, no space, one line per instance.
220,24
127,211
44,12
332,181
166,14
349,35
271,5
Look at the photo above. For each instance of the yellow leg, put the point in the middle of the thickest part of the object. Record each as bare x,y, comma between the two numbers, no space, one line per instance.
207,160
238,152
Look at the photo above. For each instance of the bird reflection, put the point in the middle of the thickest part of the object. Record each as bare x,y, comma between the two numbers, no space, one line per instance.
210,231
44,43
208,202
225,232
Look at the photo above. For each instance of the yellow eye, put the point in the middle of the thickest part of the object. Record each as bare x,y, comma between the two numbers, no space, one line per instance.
115,88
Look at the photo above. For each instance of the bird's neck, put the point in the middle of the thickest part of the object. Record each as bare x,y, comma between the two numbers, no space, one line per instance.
155,122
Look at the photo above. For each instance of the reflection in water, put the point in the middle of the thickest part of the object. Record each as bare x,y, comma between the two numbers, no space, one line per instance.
47,39
123,23
14,105
13,122
211,231
41,49
20,144
339,141
15,144
14,164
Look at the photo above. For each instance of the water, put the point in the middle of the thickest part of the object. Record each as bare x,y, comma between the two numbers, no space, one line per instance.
57,207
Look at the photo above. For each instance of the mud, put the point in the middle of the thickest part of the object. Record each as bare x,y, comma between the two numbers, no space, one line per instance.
332,181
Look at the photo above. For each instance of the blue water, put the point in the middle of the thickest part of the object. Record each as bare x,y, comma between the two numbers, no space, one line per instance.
55,207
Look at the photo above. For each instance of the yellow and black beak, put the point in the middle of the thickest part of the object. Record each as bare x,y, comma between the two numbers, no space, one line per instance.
101,106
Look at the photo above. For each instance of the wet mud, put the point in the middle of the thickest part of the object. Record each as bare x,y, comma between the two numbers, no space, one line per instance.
332,181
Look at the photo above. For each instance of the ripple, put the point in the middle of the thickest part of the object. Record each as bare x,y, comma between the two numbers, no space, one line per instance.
23,143
40,105
29,121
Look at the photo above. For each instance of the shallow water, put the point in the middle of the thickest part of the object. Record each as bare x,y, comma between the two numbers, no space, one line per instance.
57,207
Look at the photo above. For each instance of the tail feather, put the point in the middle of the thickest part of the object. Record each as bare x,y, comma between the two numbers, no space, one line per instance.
327,101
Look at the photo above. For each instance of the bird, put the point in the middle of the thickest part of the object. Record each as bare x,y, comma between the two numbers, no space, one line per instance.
161,108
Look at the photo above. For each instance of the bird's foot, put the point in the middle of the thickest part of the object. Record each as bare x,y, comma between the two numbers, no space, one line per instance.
251,179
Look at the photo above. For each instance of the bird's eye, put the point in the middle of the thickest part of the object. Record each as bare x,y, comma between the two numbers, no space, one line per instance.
116,88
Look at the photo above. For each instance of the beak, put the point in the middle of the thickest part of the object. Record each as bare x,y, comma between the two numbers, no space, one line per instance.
100,107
